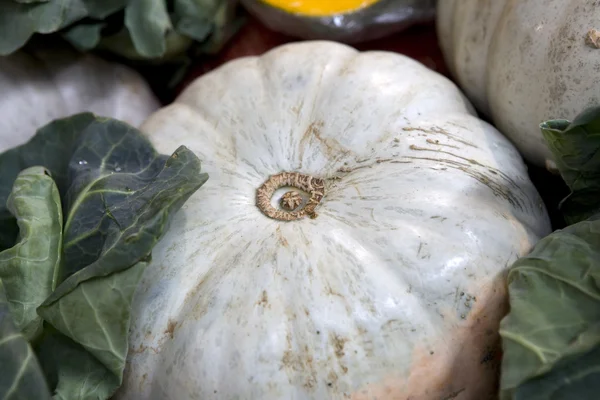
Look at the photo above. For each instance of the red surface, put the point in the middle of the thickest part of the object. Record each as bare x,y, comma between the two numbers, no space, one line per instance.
418,42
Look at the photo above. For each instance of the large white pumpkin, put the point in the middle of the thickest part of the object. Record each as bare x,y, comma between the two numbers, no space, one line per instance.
38,87
523,62
392,290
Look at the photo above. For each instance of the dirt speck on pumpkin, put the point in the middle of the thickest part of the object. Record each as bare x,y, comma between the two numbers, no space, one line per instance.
313,133
592,38
263,300
454,395
439,131
297,109
298,363
142,348
331,292
170,331
490,356
280,238
143,381
338,344
332,378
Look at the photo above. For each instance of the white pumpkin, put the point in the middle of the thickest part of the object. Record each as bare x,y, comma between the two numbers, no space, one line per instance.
392,290
38,87
523,62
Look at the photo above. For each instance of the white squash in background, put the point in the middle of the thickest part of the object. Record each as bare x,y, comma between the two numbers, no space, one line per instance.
39,87
523,62
393,291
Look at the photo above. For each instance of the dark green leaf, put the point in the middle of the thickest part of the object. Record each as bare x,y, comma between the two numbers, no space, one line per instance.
142,32
226,24
572,377
50,147
21,377
553,325
98,320
29,269
84,36
195,18
19,21
30,1
122,45
576,149
118,195
120,199
148,23
122,226
74,373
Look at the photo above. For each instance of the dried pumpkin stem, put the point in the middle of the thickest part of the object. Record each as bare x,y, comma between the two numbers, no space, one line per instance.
291,200
314,186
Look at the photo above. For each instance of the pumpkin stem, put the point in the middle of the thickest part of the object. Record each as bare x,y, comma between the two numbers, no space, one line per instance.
291,200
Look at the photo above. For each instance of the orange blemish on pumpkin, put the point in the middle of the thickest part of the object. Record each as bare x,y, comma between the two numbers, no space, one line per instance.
462,363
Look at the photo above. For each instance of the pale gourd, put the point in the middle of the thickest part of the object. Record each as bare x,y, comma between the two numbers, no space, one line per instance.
40,86
387,280
523,62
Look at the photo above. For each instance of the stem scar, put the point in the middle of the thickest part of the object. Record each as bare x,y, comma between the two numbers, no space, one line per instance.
314,186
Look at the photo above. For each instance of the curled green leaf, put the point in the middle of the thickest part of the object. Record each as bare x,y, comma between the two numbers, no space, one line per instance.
29,270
